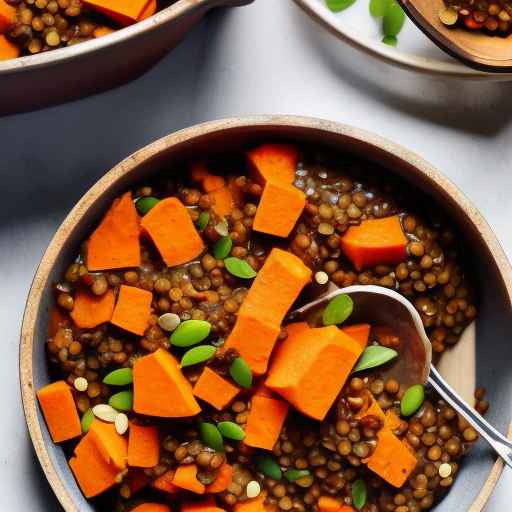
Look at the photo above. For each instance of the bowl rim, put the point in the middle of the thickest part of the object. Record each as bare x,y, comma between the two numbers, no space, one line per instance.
171,13
321,14
188,135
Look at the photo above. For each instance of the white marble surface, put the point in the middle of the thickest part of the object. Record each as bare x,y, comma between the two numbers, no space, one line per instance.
266,58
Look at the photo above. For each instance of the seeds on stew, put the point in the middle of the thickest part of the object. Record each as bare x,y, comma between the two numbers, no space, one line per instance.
169,352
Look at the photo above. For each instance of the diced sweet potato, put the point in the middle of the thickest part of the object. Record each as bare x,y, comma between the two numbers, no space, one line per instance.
310,368
222,201
8,50
265,421
7,16
123,12
372,408
214,389
328,504
59,411
273,162
170,227
148,11
91,310
185,477
151,507
164,483
223,480
115,242
112,446
143,446
391,459
279,208
375,242
133,309
161,389
359,332
255,505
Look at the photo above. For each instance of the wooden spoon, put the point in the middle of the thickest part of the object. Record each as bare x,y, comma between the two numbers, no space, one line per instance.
473,47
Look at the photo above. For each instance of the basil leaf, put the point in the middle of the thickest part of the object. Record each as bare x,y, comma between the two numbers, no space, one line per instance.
373,356
239,268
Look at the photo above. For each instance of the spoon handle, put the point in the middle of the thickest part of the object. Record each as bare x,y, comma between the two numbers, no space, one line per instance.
501,445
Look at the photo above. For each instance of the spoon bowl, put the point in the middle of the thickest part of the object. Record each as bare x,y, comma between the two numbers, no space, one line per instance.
473,47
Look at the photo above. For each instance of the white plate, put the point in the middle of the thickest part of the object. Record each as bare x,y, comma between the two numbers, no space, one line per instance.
414,51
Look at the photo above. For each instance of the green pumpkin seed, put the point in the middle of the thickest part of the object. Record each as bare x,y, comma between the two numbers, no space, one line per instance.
241,373
211,436
120,377
295,474
222,248
231,430
338,310
122,401
393,19
269,467
378,7
144,204
338,5
197,355
373,356
190,332
412,400
390,40
359,494
202,221
239,268
86,421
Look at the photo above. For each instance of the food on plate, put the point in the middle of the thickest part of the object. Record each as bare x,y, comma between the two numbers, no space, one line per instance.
493,17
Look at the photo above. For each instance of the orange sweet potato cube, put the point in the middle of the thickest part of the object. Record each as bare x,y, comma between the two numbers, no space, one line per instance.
133,309
214,389
273,162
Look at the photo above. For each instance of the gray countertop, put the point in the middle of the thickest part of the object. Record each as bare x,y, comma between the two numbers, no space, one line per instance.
262,59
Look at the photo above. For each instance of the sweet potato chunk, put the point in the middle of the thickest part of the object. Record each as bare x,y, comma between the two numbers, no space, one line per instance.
160,389
214,389
375,242
59,411
164,483
91,310
112,446
143,446
123,12
255,505
7,16
310,368
273,162
170,227
185,477
151,507
133,309
265,422
359,332
279,208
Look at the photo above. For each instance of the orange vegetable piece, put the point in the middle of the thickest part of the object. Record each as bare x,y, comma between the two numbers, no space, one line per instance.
254,340
115,242
391,421
310,368
358,332
212,182
223,480
92,472
391,459
375,242
124,12
328,504
7,16
8,50
112,446
222,201
254,505
170,227
151,507
280,206
373,409
92,310
133,309
164,483
148,11
265,421
276,287
59,411
161,389
143,446
274,162
56,320
207,505
214,389
102,31
185,477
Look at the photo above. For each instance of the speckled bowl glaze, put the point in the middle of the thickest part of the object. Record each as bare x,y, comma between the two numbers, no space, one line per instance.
488,262
36,81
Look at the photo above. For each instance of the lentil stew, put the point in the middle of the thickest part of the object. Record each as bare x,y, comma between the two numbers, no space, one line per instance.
203,271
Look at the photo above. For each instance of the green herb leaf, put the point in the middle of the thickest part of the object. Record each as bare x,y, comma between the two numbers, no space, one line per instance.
231,430
202,221
241,373
86,421
222,248
122,401
338,310
120,377
412,400
190,332
269,467
239,268
374,355
378,7
211,436
294,474
144,204
393,19
338,5
359,494
390,40
197,355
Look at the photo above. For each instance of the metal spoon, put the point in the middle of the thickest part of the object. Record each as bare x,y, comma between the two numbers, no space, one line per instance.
380,306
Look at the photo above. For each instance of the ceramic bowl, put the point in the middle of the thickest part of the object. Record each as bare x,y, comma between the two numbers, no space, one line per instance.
36,81
487,358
